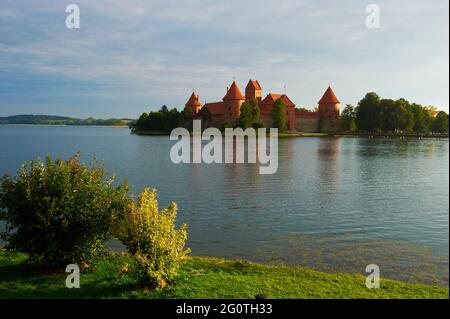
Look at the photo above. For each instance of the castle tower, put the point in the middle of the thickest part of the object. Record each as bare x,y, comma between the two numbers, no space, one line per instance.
233,101
194,103
329,111
253,90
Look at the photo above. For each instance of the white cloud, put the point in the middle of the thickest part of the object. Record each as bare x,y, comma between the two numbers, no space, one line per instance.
159,50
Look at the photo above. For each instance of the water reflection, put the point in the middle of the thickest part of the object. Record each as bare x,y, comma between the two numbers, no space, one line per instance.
328,157
379,191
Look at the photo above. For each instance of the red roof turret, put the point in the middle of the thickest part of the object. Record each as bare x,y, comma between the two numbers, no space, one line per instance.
233,93
194,100
329,97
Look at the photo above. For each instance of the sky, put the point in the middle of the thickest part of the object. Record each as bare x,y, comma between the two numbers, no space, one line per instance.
133,56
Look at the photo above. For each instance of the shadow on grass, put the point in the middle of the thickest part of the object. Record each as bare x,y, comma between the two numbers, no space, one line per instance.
17,283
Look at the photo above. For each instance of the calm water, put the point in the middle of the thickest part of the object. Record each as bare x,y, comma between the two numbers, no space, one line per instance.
335,203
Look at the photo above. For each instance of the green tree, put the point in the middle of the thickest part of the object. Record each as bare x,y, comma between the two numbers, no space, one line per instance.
249,113
404,115
389,115
369,113
60,212
279,118
440,123
422,119
164,120
173,119
348,118
206,117
303,109
187,116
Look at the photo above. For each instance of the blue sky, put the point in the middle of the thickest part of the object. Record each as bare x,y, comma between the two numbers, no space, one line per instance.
134,56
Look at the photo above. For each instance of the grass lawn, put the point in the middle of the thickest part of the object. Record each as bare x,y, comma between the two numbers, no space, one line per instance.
300,134
202,278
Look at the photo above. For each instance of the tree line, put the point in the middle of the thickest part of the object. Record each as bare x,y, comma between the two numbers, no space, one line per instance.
372,114
377,115
61,120
165,120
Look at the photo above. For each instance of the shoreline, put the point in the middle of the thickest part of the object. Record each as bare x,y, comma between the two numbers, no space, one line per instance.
318,134
64,125
286,134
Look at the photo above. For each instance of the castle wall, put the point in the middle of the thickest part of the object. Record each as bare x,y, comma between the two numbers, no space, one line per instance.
266,118
307,122
329,124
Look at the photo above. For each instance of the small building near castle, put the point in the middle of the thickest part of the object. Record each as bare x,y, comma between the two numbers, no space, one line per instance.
325,119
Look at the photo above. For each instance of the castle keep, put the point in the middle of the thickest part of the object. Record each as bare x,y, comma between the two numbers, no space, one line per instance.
325,119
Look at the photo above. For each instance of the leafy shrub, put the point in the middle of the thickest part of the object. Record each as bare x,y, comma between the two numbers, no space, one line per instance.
152,238
258,125
60,212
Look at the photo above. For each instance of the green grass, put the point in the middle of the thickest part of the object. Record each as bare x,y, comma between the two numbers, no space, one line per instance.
300,134
202,278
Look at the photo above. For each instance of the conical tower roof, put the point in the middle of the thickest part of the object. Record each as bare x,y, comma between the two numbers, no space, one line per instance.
329,97
193,100
233,93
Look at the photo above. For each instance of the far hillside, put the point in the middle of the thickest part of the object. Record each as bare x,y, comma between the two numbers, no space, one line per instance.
62,120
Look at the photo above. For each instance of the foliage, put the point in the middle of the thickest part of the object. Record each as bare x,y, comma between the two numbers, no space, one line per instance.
249,113
303,109
205,114
279,118
440,123
202,278
368,113
59,212
422,119
163,120
206,117
225,125
259,124
152,238
348,118
61,120
374,114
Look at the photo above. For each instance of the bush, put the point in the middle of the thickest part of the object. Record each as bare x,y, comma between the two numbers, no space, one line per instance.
60,212
225,125
152,238
258,125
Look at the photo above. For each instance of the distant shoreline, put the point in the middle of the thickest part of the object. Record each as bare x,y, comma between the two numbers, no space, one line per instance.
59,125
281,135
336,134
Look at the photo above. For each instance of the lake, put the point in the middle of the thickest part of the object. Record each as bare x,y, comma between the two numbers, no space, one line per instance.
335,204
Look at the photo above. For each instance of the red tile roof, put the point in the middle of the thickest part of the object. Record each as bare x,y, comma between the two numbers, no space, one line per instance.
193,100
254,84
329,97
272,97
234,93
215,108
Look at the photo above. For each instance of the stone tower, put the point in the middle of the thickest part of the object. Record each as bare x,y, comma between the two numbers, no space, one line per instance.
232,103
194,103
329,112
253,90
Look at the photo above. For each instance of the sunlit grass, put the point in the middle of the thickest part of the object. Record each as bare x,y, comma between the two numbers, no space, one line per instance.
202,278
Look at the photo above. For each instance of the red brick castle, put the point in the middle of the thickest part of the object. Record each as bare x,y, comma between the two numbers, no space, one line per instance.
325,119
